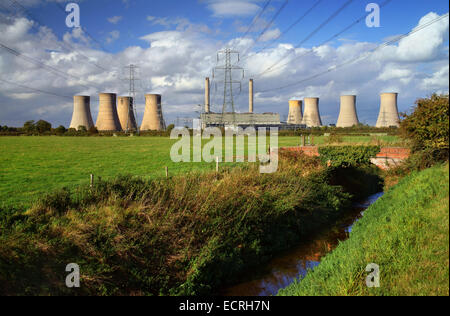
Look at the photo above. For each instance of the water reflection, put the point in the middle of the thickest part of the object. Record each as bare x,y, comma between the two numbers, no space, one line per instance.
283,270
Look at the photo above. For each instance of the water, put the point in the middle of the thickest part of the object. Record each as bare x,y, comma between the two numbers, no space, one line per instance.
283,270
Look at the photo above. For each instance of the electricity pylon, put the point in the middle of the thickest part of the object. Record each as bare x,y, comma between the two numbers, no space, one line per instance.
131,69
228,82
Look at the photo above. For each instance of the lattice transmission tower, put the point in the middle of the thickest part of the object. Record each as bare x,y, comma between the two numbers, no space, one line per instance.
132,78
228,68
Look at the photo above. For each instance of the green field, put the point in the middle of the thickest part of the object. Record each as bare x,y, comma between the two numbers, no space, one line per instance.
406,233
32,166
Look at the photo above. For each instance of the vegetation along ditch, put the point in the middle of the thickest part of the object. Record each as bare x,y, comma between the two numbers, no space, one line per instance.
186,235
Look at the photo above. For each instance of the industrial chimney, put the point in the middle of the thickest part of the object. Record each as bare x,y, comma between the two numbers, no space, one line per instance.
347,115
388,111
107,119
250,96
126,115
295,112
311,116
153,118
81,112
207,96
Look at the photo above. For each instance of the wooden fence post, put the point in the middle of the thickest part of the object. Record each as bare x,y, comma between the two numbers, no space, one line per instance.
167,172
92,180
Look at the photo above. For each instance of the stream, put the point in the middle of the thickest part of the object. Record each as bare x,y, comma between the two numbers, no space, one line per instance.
297,262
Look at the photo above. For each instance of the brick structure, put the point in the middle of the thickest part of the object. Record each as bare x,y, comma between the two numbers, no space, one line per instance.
386,158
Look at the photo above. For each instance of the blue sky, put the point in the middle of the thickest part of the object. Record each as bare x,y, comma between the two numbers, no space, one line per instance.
175,42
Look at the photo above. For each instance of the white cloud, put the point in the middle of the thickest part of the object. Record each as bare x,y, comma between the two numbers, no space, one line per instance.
112,36
232,8
115,19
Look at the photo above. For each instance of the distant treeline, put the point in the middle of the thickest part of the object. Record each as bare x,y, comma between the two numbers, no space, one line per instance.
44,128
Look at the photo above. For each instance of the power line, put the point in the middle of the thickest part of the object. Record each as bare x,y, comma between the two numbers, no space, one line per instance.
256,18
328,20
41,64
324,42
63,44
361,57
35,90
266,28
291,26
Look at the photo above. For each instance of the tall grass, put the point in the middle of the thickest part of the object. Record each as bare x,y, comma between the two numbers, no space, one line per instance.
406,233
186,235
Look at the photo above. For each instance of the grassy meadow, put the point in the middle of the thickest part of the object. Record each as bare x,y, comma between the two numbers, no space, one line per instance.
32,166
405,232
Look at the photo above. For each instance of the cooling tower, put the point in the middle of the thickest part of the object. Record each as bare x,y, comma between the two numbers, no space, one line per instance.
311,115
347,115
250,96
81,112
388,111
207,96
125,112
153,118
107,119
295,112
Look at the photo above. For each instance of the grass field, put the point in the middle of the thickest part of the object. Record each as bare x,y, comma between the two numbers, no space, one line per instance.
32,166
406,233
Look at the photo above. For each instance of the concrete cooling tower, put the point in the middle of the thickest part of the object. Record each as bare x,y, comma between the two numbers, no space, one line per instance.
81,112
347,115
388,111
295,112
107,119
126,115
311,115
153,118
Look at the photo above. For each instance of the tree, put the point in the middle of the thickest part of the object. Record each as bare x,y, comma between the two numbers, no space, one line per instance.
29,127
428,126
43,126
82,129
93,130
60,130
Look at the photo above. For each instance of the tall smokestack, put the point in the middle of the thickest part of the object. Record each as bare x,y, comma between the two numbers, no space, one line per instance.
126,115
107,119
81,112
347,115
295,112
311,115
207,96
388,111
250,96
153,119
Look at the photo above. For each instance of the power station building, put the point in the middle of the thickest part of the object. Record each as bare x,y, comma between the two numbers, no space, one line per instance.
210,119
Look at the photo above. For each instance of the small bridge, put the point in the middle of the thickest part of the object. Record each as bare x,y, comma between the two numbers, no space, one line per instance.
388,157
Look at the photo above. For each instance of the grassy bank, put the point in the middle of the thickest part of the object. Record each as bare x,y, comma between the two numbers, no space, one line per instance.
186,235
406,233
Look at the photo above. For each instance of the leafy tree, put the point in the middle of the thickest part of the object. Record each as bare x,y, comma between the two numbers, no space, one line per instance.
29,127
93,130
170,128
428,126
60,130
82,129
43,126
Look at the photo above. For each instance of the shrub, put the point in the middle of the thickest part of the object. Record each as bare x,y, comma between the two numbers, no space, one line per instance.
347,156
428,126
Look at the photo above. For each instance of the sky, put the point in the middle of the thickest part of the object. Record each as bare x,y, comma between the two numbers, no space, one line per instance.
291,48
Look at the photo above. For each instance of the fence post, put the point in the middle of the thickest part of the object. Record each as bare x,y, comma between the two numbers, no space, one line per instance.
217,164
92,180
167,172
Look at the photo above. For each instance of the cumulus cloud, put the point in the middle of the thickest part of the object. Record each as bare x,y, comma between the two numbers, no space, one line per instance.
171,63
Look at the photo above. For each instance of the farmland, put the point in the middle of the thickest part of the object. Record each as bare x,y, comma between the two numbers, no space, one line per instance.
32,166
